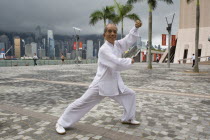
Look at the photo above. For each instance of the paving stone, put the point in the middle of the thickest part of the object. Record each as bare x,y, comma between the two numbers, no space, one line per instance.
171,104
97,137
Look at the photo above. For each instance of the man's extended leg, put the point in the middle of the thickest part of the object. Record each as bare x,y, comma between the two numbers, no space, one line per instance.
76,110
128,100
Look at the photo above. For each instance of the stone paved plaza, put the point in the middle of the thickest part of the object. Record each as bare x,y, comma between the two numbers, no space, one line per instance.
172,104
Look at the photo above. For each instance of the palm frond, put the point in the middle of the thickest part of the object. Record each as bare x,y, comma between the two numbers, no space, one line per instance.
132,1
189,1
126,9
133,17
118,7
95,17
168,1
109,12
153,3
104,14
108,9
116,19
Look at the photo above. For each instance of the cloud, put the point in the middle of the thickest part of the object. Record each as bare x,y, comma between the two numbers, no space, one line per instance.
62,15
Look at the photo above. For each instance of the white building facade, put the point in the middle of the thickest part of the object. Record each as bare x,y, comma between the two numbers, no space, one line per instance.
28,50
89,54
186,35
51,44
34,48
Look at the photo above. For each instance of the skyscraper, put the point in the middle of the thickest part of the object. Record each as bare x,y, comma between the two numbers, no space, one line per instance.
34,48
2,50
51,44
28,50
38,34
89,54
4,39
17,47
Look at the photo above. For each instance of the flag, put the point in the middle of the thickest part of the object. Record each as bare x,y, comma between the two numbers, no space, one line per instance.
79,45
163,39
173,40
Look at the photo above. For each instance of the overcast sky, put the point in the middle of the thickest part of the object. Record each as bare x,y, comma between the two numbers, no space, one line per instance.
62,15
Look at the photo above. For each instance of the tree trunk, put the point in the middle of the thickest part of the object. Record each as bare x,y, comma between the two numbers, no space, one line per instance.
104,28
104,23
196,69
150,38
122,29
169,48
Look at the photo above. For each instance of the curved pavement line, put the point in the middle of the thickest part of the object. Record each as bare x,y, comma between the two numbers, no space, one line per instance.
171,93
151,91
114,135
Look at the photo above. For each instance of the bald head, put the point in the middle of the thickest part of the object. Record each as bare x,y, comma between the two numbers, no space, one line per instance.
110,33
106,27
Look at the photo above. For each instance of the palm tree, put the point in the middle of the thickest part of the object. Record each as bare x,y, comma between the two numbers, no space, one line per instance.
104,14
123,12
152,5
196,69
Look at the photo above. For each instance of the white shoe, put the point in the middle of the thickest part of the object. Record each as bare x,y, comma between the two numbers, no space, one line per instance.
59,129
133,122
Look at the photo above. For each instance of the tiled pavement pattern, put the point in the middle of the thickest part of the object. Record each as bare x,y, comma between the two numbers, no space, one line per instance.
172,104
15,126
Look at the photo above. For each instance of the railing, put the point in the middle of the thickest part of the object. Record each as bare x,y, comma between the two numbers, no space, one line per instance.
11,63
207,58
132,52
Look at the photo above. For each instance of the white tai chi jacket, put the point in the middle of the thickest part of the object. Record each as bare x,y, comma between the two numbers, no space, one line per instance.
110,64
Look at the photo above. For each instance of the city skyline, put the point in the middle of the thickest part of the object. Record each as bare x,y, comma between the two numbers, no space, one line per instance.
25,16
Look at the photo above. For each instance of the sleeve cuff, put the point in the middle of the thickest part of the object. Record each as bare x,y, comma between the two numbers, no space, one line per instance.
131,61
134,31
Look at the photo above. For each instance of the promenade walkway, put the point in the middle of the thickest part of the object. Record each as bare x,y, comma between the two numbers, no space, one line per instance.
172,104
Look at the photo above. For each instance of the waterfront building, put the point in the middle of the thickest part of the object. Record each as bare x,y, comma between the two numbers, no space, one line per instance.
186,34
17,47
89,52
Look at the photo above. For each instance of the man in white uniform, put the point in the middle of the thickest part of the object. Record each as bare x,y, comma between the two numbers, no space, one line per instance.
107,81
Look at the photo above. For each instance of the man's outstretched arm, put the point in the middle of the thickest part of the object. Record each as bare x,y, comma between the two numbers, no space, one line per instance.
118,64
131,38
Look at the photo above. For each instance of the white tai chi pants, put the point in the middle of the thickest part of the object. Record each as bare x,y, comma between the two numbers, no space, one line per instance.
76,110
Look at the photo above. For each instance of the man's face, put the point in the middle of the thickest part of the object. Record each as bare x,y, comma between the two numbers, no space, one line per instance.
111,33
